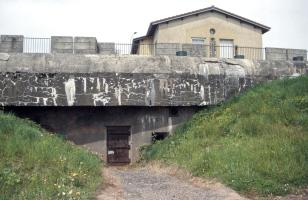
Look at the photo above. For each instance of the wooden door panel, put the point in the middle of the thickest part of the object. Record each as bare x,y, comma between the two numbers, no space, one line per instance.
118,141
119,156
118,145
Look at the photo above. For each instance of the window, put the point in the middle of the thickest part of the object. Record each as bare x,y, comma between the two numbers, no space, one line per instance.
198,40
226,48
212,31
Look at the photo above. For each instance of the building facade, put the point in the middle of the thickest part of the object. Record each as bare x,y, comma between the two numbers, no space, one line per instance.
210,32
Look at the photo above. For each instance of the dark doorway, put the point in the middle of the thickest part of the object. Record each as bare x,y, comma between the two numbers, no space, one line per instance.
156,136
118,144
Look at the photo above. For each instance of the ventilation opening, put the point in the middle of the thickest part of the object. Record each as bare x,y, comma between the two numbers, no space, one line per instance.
298,58
173,112
157,136
181,53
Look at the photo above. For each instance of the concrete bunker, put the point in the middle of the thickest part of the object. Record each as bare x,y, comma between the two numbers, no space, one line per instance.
96,100
115,133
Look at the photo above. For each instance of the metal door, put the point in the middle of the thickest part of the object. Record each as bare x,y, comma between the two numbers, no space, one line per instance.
118,145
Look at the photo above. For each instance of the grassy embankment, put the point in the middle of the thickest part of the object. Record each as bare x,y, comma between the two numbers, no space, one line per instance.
256,143
38,165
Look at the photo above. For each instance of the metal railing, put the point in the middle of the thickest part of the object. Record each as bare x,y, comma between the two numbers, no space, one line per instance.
198,50
37,45
44,45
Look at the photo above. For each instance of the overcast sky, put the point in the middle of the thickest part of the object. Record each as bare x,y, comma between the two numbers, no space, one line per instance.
117,20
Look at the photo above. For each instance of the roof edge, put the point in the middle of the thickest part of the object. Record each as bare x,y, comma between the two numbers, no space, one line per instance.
154,24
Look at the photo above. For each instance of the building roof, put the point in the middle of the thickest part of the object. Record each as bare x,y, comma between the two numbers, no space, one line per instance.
154,24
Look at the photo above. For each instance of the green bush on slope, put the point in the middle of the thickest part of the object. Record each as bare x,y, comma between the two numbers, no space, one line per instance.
255,143
38,165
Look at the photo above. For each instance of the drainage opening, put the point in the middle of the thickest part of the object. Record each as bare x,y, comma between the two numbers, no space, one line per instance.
157,136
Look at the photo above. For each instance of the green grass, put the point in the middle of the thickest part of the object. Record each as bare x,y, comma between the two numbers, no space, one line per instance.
37,165
256,143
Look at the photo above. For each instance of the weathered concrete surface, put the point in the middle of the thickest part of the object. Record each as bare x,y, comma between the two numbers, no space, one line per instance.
86,126
285,54
4,56
62,44
96,80
106,48
60,91
85,45
11,43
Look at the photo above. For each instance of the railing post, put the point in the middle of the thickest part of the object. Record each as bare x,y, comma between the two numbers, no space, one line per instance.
236,50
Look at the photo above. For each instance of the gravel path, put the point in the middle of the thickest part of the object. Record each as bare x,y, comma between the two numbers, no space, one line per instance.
145,184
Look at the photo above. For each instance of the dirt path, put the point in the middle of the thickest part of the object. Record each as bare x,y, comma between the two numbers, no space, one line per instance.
149,184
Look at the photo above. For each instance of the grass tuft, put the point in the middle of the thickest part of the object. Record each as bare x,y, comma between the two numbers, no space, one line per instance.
254,143
37,165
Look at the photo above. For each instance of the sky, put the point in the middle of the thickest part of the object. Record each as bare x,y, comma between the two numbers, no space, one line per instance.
117,20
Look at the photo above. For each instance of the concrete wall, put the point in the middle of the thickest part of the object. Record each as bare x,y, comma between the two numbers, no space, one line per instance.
77,45
85,45
11,43
284,54
86,126
111,89
80,95
62,44
94,80
106,48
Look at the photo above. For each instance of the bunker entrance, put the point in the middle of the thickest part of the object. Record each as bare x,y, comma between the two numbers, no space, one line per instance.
118,145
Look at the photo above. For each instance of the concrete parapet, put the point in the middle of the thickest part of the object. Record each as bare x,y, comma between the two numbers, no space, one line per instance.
106,48
11,43
297,54
85,45
97,80
285,54
61,44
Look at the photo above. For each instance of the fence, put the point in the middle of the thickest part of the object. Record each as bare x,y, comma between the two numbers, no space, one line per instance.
43,45
89,45
198,50
36,45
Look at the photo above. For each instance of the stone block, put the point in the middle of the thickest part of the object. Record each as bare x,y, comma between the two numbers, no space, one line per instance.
11,43
85,45
61,44
106,48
